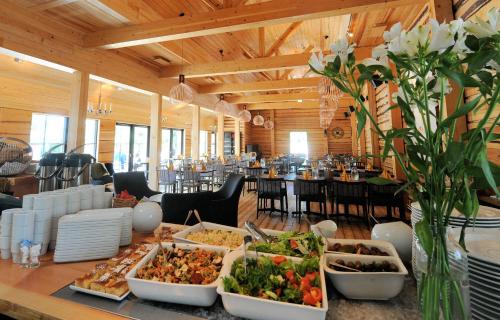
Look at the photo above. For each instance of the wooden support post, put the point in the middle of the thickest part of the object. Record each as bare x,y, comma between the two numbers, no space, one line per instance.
442,11
78,109
220,136
195,134
273,136
154,140
372,102
237,137
397,123
354,135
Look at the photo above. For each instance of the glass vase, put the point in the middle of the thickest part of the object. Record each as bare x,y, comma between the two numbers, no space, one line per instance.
442,278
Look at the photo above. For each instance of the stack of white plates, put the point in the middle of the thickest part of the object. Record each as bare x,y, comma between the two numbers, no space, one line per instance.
43,220
487,217
108,199
23,228
86,197
28,201
88,236
126,223
73,200
483,246
98,197
6,232
60,208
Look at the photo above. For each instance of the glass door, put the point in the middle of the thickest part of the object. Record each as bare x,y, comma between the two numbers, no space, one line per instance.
131,148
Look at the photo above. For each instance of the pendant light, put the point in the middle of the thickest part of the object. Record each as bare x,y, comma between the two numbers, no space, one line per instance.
258,120
221,106
245,115
182,92
269,124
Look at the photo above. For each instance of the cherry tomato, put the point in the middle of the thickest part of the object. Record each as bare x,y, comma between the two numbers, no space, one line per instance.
305,284
279,260
293,244
290,275
316,294
308,299
311,276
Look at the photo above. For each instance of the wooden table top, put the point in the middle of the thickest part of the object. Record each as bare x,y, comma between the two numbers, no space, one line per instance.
25,293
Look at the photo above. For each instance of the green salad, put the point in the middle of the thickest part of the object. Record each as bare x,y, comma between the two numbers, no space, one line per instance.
277,278
294,244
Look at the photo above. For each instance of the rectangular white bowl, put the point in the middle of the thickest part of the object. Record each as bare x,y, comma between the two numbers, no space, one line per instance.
380,244
181,236
190,294
256,308
366,285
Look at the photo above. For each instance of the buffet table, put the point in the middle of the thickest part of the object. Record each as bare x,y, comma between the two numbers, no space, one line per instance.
35,293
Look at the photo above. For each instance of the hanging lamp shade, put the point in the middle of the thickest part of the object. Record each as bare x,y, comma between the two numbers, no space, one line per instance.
245,115
221,106
182,92
258,120
268,124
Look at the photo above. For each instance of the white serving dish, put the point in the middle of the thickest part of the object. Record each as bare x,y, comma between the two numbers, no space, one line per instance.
100,294
181,236
257,308
190,294
366,285
385,246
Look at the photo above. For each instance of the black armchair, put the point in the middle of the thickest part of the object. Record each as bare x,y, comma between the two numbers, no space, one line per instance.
217,207
134,182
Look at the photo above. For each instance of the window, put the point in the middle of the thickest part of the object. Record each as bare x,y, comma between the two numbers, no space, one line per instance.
131,148
172,144
298,143
91,137
203,143
48,133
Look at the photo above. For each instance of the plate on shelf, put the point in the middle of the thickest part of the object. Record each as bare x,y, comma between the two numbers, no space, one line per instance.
99,294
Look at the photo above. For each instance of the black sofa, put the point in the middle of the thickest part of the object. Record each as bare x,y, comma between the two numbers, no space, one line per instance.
9,202
217,207
134,182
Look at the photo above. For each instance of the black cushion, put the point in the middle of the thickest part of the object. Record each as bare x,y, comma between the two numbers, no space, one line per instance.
9,202
134,182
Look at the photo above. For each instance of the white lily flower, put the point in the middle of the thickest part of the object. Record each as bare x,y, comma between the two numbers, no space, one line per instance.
481,28
494,65
419,35
442,36
408,44
395,45
342,48
379,57
393,33
316,61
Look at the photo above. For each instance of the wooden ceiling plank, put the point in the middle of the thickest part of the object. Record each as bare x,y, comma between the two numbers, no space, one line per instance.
50,5
247,66
284,36
261,98
232,19
301,83
294,105
286,73
262,41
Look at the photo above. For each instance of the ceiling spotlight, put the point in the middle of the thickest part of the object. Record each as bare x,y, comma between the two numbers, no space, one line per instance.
300,100
351,108
18,60
346,114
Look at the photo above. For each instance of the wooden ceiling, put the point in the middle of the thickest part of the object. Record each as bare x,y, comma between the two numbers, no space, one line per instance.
268,50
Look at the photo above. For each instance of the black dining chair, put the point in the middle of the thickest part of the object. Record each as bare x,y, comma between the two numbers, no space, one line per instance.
347,193
386,196
134,182
271,189
251,175
309,191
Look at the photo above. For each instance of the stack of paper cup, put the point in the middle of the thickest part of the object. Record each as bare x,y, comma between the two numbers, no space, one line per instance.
98,197
86,194
23,228
108,200
60,208
28,201
5,232
43,219
73,200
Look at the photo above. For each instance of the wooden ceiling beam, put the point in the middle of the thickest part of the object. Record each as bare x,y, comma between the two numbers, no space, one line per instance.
262,41
50,5
232,19
246,66
279,42
293,105
286,73
262,98
259,86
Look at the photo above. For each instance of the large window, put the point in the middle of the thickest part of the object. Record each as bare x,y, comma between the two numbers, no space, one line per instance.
203,143
48,133
298,143
91,137
131,148
172,144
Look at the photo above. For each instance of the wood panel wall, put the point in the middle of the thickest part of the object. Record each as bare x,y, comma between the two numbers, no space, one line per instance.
229,126
383,102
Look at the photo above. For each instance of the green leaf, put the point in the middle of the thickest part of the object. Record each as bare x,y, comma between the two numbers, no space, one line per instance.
485,166
460,112
336,64
462,79
361,117
424,234
472,42
454,155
